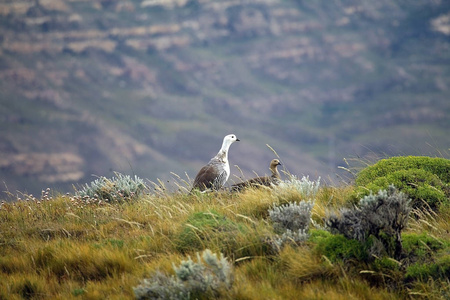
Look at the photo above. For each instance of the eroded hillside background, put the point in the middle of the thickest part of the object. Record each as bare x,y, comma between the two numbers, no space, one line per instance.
151,87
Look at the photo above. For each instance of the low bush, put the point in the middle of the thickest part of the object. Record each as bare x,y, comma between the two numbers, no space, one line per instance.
338,248
424,179
439,269
291,216
420,246
379,219
386,265
291,219
437,166
421,186
294,189
117,189
208,278
291,222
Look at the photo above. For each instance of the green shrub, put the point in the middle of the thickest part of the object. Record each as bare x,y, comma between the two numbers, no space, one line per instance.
440,269
420,185
385,264
208,278
116,189
422,178
78,292
438,166
339,248
428,258
420,246
205,229
317,235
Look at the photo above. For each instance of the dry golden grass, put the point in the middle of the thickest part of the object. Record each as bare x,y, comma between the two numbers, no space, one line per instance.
434,223
303,265
65,248
330,198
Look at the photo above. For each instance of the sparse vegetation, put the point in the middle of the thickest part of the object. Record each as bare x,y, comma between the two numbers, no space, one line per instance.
61,246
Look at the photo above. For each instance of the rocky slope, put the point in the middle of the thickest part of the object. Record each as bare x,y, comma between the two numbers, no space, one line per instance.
151,87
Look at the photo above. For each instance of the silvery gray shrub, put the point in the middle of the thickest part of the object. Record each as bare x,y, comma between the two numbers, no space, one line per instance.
206,278
381,217
290,222
292,216
306,188
292,237
118,188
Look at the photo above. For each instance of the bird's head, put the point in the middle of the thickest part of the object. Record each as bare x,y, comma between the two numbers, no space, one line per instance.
231,138
275,162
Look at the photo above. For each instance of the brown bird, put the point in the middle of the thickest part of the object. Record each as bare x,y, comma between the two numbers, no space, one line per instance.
214,175
275,178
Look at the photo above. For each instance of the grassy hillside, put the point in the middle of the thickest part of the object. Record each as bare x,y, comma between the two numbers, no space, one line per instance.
72,247
151,87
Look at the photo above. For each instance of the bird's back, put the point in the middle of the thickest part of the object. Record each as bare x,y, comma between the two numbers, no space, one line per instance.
263,180
215,174
212,176
254,182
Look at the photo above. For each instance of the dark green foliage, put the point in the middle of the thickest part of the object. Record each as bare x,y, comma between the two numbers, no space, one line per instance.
385,272
204,229
379,219
385,264
117,189
339,248
438,166
116,243
439,269
421,246
316,235
424,179
420,185
78,292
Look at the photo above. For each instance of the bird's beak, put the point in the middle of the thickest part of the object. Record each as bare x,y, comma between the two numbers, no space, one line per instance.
238,140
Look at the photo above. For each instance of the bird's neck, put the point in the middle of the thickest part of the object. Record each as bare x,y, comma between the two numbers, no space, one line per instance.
225,146
275,172
222,155
223,152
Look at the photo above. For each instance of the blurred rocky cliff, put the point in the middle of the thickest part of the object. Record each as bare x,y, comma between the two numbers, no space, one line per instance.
151,87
